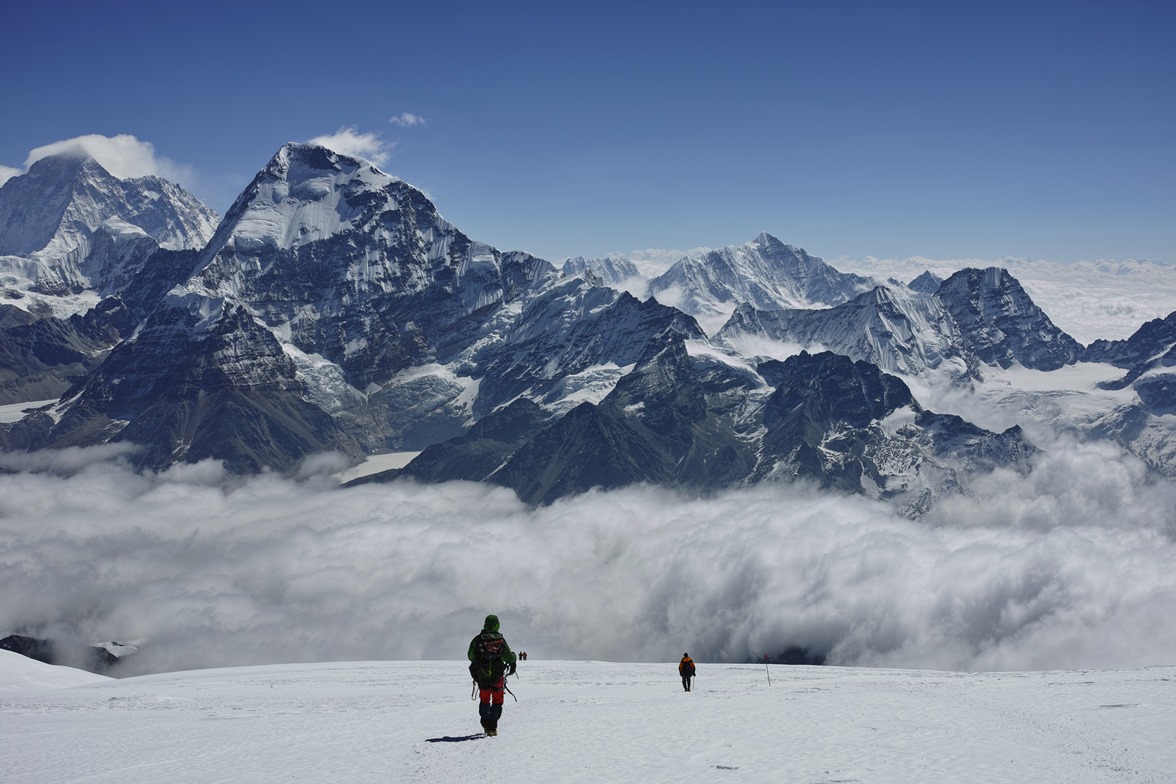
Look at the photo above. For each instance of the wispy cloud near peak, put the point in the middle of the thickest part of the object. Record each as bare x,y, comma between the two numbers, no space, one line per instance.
409,120
124,156
7,173
348,140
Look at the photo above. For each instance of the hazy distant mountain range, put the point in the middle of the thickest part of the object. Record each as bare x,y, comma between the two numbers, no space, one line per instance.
334,310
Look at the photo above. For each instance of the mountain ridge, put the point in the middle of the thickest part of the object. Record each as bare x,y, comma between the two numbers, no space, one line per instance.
335,309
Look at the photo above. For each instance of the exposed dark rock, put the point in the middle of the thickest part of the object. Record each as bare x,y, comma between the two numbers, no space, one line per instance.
927,283
1152,346
94,658
1154,338
185,393
1158,393
32,647
1001,324
476,455
42,359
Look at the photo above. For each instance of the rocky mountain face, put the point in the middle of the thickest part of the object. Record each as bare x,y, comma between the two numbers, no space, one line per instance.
974,317
1001,324
898,332
1144,355
1144,426
189,386
84,256
42,358
334,310
355,266
688,421
848,425
1150,342
573,336
610,271
655,427
927,283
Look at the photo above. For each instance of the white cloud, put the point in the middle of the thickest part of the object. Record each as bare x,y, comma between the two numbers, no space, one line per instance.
7,173
67,461
1068,568
124,156
408,120
349,141
673,296
751,345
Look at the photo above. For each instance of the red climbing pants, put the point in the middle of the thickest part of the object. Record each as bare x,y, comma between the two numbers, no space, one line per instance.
492,695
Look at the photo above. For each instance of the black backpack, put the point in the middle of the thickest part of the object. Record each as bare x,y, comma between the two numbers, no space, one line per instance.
488,666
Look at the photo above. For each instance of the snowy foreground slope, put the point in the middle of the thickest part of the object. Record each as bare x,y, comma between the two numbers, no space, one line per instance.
586,722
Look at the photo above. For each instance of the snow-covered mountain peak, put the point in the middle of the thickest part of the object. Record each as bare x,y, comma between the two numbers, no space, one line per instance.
71,231
765,241
764,273
53,209
885,295
610,270
311,167
927,283
346,262
338,219
892,328
304,194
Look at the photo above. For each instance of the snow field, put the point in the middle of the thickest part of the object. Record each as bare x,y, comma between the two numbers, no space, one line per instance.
595,722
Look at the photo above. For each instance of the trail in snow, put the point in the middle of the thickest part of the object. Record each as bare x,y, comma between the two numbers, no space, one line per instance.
594,722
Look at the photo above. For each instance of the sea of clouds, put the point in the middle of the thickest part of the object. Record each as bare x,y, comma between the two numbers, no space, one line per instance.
1069,567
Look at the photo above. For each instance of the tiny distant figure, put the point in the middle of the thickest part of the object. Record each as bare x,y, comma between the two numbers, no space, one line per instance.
686,670
491,660
523,655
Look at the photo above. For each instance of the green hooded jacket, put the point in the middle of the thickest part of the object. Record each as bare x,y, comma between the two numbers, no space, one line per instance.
490,631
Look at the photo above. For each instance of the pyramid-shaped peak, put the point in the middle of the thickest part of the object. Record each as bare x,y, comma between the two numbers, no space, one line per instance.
1002,322
294,158
979,280
927,283
314,155
766,240
66,165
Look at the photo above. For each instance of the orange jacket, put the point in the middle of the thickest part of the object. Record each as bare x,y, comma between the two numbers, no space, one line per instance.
686,666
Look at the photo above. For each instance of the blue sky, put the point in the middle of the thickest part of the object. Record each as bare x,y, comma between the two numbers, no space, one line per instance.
946,130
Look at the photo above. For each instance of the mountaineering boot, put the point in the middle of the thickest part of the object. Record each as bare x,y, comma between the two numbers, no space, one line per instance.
485,720
494,714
